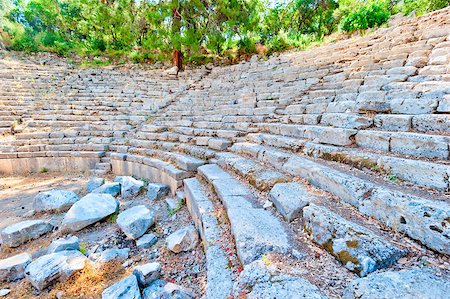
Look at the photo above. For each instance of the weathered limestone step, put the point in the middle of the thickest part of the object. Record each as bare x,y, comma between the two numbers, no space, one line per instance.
287,143
259,176
219,276
256,231
167,168
182,161
415,144
291,198
358,248
413,283
420,218
103,166
429,174
425,173
320,134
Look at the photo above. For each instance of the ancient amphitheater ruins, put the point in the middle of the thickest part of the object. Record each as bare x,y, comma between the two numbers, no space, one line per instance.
316,174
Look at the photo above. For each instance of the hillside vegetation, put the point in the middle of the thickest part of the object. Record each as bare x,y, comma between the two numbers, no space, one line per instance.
200,31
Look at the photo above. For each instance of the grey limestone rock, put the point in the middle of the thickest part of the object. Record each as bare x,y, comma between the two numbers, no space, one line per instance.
290,199
267,282
88,210
408,284
126,288
135,221
71,243
54,200
109,188
157,191
359,249
13,268
147,273
184,239
24,231
94,183
54,267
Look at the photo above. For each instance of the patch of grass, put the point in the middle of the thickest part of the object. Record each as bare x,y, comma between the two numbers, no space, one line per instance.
392,177
83,248
177,208
43,170
113,218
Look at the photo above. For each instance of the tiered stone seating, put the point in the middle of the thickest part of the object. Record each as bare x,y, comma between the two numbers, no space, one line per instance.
356,133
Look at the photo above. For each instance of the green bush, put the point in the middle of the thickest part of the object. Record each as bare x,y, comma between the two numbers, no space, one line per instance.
420,6
278,43
371,15
246,45
24,41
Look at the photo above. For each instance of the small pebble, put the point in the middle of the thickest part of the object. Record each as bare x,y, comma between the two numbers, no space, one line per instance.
4,292
267,204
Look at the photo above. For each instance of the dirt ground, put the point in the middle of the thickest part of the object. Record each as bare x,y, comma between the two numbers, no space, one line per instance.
16,199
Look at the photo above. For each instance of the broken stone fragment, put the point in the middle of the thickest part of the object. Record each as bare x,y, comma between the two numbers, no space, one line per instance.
110,188
4,292
184,239
109,255
94,183
157,191
71,243
13,268
126,288
54,267
129,186
135,221
22,232
290,199
163,289
147,273
88,210
268,282
411,283
146,241
54,200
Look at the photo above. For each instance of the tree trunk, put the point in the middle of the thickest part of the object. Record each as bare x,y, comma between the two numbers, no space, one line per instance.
176,27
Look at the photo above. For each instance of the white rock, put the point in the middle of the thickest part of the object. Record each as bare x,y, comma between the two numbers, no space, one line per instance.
93,184
135,221
54,267
126,288
130,186
21,232
110,254
147,273
12,268
163,289
146,241
88,210
4,292
268,204
157,191
110,188
71,243
184,239
54,200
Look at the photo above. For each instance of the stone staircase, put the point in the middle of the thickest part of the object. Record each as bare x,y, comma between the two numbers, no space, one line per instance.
331,162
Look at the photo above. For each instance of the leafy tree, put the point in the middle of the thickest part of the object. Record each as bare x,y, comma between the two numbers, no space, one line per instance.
198,30
369,15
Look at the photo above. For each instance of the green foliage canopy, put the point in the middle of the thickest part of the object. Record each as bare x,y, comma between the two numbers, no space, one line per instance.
150,30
